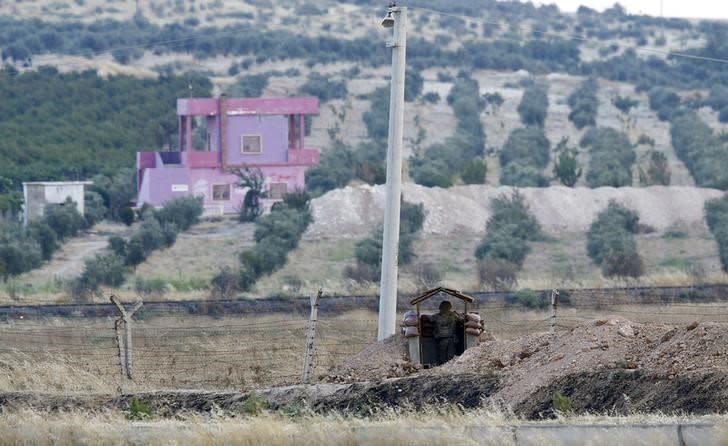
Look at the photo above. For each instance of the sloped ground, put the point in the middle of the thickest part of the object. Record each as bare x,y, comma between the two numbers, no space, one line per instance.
608,364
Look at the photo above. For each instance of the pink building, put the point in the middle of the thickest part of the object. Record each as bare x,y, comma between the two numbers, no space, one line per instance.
263,133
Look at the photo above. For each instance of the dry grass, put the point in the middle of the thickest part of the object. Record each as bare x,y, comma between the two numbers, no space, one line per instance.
434,426
239,353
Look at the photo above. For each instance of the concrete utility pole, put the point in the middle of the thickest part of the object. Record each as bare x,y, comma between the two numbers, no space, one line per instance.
396,18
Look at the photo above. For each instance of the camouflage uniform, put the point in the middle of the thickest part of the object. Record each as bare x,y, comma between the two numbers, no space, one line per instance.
445,324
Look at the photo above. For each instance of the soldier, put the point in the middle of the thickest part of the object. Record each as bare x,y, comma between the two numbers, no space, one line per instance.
444,324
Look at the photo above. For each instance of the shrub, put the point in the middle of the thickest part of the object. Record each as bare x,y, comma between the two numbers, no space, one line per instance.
657,171
584,104
566,167
611,244
368,251
474,172
524,156
224,284
611,158
94,208
104,269
664,102
716,215
275,234
413,83
250,86
183,212
431,97
126,215
148,287
64,219
704,154
534,105
440,163
41,232
323,87
624,104
18,252
508,231
561,403
138,410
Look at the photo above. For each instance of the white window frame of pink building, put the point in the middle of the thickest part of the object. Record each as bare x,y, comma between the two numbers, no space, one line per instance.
242,144
228,194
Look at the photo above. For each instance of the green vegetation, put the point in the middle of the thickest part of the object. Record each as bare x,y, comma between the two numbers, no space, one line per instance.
566,167
440,164
624,104
584,104
342,163
323,87
24,249
561,403
505,246
368,251
663,101
611,157
75,125
716,215
276,234
534,105
656,170
611,244
157,230
524,157
704,153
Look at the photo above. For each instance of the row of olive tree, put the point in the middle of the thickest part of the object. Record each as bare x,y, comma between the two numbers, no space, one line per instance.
157,229
460,156
368,251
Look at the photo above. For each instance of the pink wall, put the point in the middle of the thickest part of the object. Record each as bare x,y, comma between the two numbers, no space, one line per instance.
158,185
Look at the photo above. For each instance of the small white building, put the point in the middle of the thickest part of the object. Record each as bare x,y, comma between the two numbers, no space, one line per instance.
38,194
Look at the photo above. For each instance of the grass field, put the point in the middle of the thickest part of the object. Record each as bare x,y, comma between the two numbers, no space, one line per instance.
435,426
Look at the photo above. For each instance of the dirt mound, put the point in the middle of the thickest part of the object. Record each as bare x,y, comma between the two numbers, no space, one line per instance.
381,360
354,210
537,361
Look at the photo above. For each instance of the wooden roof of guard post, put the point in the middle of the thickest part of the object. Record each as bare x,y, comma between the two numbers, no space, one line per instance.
441,289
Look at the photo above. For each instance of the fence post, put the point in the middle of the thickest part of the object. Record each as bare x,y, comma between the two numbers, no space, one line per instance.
310,337
125,353
554,305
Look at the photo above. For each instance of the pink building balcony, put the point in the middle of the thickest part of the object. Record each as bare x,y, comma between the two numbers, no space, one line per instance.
201,159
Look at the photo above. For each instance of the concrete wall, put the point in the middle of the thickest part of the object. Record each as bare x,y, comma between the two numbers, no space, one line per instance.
38,195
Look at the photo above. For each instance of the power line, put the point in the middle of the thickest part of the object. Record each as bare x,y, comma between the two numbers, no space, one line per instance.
572,37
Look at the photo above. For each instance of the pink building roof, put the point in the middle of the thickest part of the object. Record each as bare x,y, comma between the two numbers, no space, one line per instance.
249,106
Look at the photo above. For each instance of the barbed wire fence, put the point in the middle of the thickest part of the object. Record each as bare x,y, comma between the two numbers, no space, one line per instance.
255,350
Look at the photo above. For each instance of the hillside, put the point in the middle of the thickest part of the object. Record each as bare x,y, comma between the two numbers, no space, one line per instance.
607,88
677,245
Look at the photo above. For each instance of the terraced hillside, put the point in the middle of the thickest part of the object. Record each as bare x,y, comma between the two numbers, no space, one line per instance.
613,89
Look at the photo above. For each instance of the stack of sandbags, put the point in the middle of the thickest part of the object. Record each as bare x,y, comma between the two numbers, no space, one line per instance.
410,324
473,324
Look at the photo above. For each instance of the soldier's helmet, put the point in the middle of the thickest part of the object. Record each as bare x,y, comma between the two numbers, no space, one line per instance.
445,305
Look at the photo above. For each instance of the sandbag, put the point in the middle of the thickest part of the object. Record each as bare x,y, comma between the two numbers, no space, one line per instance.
473,331
475,317
473,324
410,318
411,332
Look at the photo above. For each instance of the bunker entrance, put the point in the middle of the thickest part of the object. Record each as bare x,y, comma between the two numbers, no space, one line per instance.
436,337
